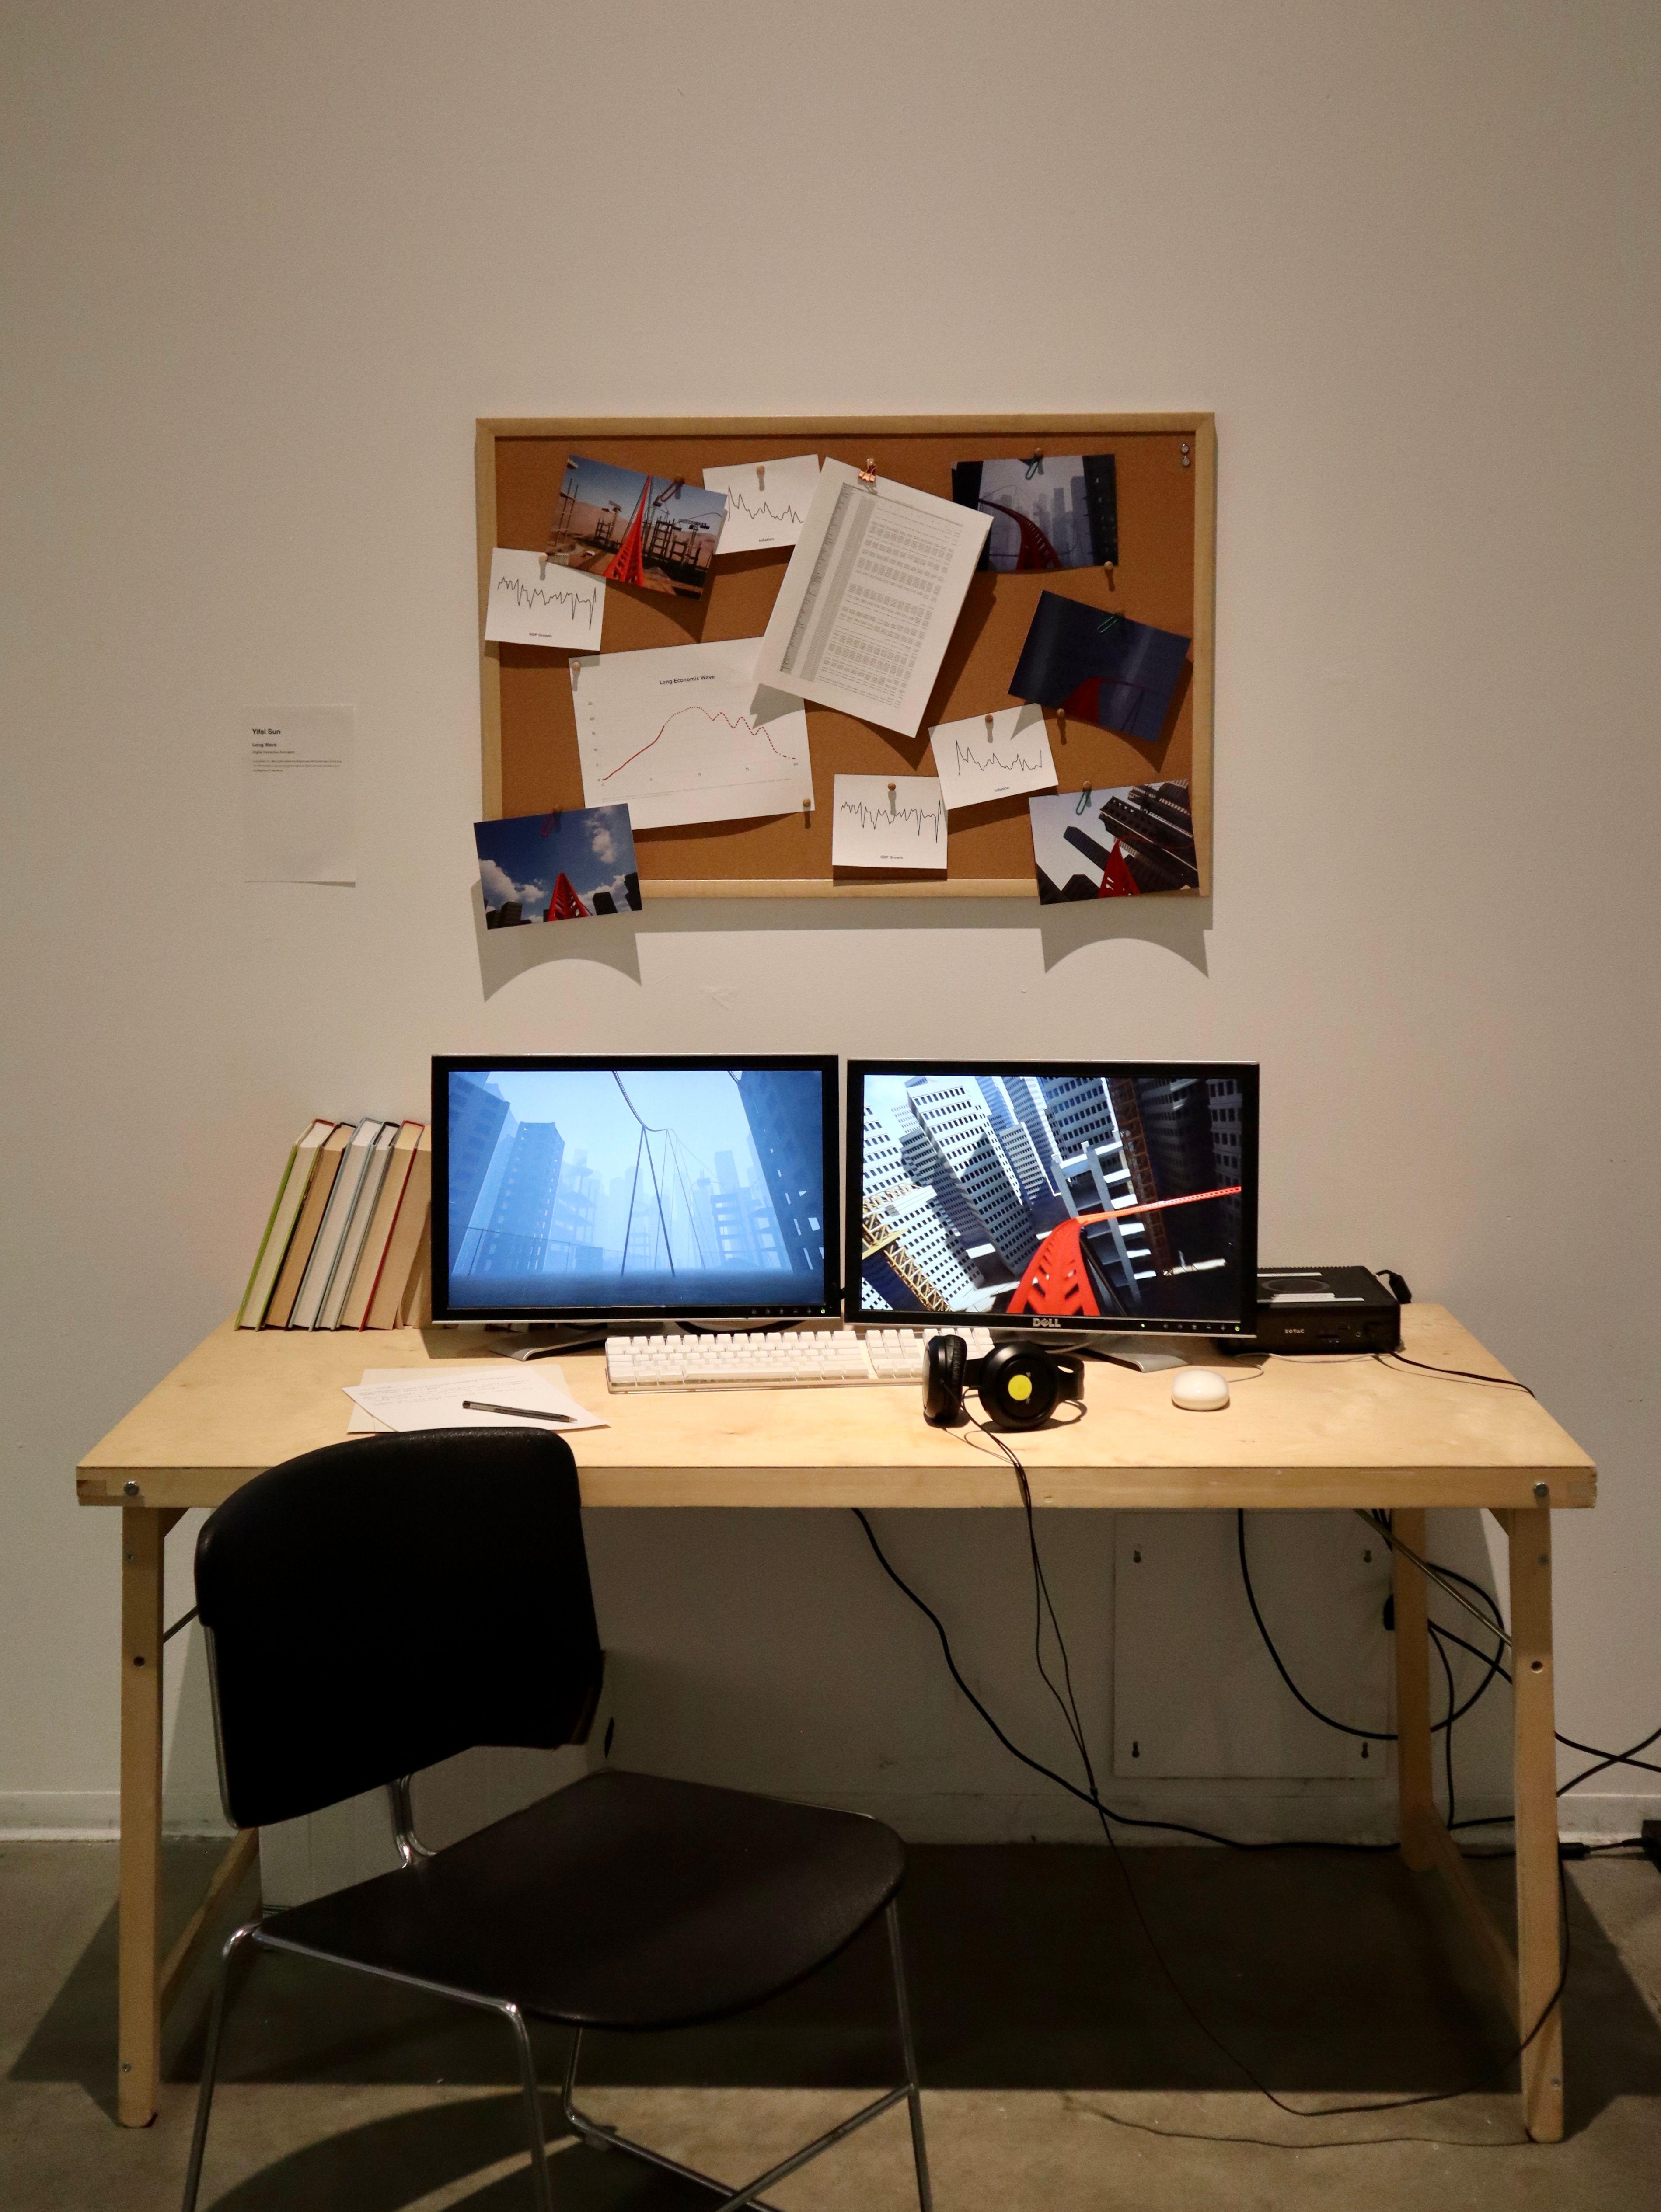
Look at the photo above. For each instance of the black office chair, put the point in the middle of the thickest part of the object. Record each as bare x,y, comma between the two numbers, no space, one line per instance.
376,1607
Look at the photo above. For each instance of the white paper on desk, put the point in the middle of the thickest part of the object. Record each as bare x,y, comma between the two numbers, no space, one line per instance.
767,502
682,733
364,1424
888,821
299,806
433,1398
871,597
992,756
537,602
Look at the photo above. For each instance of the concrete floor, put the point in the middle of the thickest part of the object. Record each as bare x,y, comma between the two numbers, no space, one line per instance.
1061,2068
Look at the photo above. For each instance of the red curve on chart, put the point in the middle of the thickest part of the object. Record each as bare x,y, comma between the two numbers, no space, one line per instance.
733,722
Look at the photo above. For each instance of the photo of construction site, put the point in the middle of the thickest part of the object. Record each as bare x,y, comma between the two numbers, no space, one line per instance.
1078,1196
600,1189
657,532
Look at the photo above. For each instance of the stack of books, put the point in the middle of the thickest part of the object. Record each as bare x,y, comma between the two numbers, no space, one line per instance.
348,1241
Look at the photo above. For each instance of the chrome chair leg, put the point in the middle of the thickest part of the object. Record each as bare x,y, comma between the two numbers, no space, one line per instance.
914,2094
541,2181
210,2065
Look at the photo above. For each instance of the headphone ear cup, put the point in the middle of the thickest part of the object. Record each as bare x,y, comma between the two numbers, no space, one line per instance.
1020,1386
943,1358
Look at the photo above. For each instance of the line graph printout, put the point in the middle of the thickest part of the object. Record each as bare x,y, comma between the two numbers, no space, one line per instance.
989,756
535,602
767,502
871,597
684,733
888,821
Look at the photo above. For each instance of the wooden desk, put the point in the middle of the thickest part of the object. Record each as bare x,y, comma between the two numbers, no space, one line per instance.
1313,1435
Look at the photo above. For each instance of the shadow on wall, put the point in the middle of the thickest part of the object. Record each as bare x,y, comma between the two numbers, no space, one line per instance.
1178,925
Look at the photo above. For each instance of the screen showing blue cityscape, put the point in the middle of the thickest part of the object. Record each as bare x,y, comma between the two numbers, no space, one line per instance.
689,1189
1086,1197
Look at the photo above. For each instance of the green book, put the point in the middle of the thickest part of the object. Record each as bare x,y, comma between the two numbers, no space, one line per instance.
279,1224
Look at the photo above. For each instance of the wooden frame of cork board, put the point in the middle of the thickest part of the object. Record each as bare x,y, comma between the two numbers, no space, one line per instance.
1165,576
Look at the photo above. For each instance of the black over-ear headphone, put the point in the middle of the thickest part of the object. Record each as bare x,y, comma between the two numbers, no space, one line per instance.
1020,1385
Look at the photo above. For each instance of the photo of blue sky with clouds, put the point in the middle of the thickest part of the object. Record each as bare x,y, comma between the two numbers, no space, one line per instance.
521,859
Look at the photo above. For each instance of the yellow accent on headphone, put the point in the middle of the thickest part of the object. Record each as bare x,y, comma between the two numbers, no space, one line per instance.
1020,1386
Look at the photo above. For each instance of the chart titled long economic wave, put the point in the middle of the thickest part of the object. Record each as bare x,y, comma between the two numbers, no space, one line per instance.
683,734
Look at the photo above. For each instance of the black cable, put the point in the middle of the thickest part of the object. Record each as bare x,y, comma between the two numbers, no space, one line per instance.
1371,1735
1612,1758
1124,1820
1447,1735
1492,1665
1570,1743
1465,1374
1604,1759
1105,1817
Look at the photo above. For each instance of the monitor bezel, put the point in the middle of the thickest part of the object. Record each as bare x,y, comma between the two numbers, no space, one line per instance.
1244,1072
826,1065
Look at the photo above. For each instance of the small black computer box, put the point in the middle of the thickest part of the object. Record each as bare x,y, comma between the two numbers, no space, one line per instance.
1326,1309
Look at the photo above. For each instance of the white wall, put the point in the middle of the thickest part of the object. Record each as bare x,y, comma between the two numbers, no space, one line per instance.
265,267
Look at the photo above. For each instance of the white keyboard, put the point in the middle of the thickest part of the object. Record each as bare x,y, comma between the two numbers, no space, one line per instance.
810,1360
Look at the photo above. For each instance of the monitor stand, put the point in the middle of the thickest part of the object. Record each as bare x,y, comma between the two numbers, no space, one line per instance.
1148,1355
1120,1348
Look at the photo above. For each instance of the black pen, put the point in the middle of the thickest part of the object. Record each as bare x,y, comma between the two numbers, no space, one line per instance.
518,1412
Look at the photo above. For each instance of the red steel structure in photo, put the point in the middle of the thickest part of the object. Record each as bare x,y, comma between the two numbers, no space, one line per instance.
565,905
1036,551
1058,1278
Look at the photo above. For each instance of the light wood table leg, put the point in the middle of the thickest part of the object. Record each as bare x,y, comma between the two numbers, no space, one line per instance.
1413,1762
143,1531
1539,1931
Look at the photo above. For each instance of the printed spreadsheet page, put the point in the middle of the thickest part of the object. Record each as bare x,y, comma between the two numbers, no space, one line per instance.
871,597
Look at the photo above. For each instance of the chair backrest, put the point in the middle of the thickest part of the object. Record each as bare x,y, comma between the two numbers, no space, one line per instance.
383,1603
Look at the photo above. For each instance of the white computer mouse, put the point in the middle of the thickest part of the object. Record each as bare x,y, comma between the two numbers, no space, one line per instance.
1198,1390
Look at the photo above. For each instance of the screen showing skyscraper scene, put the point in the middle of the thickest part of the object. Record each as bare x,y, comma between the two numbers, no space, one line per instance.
689,1189
1078,1196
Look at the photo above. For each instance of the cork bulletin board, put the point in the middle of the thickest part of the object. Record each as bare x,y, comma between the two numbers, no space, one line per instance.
1166,466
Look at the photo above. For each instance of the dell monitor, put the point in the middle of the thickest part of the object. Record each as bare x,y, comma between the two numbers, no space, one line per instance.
634,1190
1112,1196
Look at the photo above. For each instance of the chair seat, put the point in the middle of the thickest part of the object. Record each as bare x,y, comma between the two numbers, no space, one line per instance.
625,1901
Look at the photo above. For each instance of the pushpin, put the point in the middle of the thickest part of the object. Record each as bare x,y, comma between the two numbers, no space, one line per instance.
1111,583
1061,724
807,814
989,729
891,802
542,566
761,475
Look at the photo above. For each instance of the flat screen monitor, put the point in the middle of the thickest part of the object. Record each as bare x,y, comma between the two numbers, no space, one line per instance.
1112,1195
638,1189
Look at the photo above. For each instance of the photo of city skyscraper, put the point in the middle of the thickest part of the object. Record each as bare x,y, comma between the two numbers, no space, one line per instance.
1051,511
585,1188
1120,843
1078,1195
